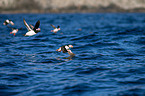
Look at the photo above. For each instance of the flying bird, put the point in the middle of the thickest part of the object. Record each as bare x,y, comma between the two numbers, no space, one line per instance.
6,22
14,30
32,31
56,29
65,49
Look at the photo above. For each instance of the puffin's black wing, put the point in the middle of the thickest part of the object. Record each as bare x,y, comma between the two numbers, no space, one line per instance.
37,25
20,28
53,26
63,49
11,27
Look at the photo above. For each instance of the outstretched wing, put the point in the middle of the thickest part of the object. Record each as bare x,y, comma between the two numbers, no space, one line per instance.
28,27
10,27
37,25
31,26
53,26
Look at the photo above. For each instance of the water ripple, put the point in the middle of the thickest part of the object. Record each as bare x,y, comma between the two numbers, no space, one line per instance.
109,58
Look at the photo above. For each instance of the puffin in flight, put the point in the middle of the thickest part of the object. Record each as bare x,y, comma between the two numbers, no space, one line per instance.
14,30
55,30
32,31
65,49
6,22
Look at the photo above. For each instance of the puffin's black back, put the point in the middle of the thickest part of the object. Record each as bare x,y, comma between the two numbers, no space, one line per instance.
64,49
5,22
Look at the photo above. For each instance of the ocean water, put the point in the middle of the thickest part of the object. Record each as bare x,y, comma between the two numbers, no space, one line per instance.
109,61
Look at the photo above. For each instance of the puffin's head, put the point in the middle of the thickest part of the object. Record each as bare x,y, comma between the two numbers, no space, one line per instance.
58,27
38,30
70,46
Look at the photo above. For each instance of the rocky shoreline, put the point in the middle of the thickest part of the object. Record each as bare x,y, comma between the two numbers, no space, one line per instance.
100,10
71,6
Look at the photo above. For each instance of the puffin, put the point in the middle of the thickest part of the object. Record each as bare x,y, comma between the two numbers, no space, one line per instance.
14,30
6,22
56,29
65,49
32,31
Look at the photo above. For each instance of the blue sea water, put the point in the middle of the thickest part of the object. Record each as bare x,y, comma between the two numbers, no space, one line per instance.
109,61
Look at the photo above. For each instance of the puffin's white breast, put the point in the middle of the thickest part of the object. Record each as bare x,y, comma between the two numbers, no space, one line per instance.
30,33
14,31
55,30
66,47
7,21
